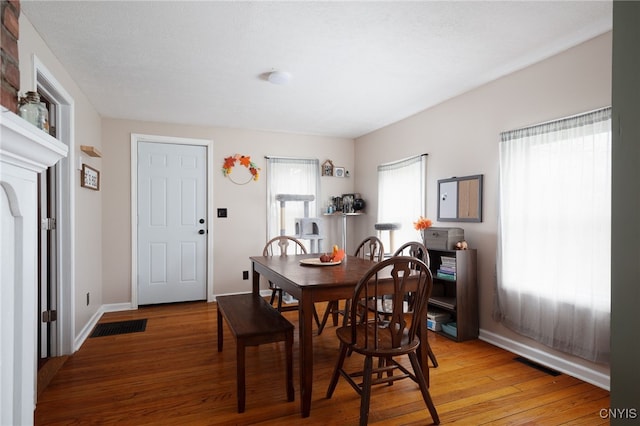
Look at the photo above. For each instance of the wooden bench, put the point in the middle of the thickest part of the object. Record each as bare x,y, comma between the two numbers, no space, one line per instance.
252,322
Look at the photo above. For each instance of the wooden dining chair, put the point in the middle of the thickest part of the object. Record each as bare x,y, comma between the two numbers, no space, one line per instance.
284,245
419,251
370,248
414,249
386,339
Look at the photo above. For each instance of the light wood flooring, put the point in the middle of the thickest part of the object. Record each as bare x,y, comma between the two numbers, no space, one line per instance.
172,374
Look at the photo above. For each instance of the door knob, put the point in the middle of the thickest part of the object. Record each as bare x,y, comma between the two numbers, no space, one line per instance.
201,221
201,231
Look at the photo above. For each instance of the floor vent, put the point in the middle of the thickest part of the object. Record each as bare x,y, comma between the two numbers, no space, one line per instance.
537,366
121,327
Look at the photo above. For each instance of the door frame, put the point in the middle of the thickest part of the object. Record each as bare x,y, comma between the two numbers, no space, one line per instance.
65,336
135,139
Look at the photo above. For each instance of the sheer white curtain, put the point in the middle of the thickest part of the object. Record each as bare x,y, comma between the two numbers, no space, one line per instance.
402,196
290,176
554,234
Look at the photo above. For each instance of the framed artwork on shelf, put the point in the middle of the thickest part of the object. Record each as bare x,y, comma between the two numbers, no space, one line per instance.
338,171
90,178
347,203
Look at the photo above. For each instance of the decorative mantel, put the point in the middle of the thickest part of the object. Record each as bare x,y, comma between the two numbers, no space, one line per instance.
25,151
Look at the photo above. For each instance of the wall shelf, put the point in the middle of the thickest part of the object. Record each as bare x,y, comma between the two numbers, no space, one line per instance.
91,151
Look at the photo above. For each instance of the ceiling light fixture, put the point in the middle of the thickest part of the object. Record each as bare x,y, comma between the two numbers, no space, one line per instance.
279,77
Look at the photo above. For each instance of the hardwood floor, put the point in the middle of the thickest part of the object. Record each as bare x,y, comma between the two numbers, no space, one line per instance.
172,374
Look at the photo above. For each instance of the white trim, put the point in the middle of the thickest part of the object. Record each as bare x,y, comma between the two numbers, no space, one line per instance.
263,293
135,139
42,77
89,326
581,372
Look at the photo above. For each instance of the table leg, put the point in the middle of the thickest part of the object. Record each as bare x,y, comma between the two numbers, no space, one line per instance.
344,232
256,279
305,317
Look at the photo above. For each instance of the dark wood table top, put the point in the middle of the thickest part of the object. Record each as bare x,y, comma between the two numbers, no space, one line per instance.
289,269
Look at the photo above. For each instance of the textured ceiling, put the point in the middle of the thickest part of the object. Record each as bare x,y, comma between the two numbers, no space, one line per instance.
355,66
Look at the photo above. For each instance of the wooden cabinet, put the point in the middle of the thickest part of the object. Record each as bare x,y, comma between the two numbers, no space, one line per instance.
456,294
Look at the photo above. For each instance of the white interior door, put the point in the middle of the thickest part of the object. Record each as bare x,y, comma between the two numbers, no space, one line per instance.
172,228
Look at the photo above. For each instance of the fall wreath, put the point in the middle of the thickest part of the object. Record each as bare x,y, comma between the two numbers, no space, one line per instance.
245,161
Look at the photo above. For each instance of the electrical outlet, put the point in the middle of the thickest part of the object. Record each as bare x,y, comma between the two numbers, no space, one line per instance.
245,275
87,299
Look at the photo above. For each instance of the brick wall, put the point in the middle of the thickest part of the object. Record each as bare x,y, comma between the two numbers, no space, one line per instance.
9,14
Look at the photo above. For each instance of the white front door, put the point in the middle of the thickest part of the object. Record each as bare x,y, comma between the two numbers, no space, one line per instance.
172,228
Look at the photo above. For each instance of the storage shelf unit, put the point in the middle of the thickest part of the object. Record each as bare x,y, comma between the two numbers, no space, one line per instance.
457,295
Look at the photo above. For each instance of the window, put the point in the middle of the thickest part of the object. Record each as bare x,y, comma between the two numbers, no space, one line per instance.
554,233
292,176
401,197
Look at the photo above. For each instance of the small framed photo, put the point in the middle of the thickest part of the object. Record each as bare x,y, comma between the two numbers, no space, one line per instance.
327,168
347,203
338,171
90,178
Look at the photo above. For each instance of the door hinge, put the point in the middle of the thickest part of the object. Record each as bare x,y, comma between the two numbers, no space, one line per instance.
48,224
49,316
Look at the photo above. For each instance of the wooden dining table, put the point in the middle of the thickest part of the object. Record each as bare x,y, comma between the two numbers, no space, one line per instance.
310,284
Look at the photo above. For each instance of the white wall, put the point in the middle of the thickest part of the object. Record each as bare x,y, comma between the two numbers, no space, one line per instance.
243,232
461,137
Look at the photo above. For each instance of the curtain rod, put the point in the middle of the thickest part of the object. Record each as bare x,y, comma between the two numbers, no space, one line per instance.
275,157
404,159
554,121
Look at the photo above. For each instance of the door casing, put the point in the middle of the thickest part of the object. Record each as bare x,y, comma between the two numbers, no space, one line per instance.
135,139
65,341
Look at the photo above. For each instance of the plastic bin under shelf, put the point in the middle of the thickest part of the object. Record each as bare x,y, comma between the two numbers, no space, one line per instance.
451,329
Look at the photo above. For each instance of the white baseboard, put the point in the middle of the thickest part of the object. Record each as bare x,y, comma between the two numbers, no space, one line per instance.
554,362
86,330
263,293
117,307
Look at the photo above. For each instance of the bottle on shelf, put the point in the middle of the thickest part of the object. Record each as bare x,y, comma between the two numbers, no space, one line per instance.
34,111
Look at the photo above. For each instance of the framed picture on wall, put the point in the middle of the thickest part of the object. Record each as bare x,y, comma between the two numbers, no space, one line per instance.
338,171
327,168
460,199
90,178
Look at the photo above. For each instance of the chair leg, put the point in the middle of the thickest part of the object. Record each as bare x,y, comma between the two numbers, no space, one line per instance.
423,387
347,308
336,370
432,356
273,296
383,362
366,391
330,307
279,290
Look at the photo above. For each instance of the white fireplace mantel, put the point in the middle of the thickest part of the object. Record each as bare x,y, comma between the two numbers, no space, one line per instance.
24,145
25,151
